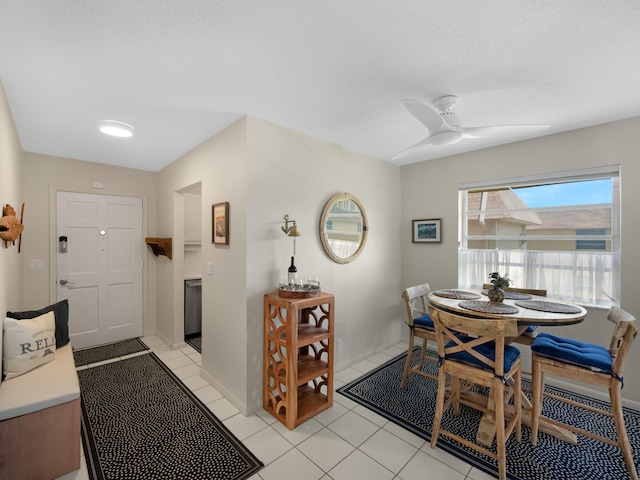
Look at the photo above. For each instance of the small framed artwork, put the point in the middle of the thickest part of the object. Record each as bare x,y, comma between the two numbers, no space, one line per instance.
426,231
220,223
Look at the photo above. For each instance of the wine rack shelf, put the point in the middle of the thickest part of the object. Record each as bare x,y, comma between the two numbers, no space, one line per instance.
298,357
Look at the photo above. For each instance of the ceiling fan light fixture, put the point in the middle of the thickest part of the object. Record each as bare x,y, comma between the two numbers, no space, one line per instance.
445,138
116,129
446,128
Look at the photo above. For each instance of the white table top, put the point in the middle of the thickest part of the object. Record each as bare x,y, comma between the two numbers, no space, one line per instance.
525,316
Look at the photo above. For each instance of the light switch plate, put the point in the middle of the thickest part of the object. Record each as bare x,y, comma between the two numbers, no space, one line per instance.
36,264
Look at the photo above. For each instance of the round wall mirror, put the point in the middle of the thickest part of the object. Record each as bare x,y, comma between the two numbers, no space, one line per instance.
343,228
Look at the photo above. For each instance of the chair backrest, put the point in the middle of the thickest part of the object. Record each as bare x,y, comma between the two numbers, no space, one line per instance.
448,326
530,291
416,301
624,333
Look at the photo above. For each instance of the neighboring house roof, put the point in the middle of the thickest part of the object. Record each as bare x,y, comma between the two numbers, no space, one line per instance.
504,205
573,219
503,201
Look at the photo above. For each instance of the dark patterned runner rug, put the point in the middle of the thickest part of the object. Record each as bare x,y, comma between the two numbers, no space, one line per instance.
88,356
139,421
413,408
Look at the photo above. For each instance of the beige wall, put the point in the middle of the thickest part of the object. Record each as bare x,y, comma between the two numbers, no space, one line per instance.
265,171
10,193
219,164
430,190
291,173
44,175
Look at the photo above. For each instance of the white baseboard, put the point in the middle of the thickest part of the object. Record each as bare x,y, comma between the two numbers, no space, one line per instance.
227,394
365,355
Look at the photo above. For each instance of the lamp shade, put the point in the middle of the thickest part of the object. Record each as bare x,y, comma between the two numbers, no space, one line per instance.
293,231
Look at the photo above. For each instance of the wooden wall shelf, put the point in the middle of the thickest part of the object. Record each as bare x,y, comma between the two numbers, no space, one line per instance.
161,246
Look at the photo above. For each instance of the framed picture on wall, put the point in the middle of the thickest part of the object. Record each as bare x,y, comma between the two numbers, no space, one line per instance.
220,223
426,231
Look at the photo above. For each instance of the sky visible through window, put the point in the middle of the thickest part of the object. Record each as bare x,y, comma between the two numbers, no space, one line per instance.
559,194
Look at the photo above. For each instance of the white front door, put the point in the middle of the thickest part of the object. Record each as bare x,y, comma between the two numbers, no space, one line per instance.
101,271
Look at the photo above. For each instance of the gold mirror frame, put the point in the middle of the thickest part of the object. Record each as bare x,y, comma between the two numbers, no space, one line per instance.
324,234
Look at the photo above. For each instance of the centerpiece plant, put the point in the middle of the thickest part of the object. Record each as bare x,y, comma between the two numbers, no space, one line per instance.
499,282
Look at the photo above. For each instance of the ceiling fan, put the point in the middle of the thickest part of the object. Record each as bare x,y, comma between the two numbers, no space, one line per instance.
445,129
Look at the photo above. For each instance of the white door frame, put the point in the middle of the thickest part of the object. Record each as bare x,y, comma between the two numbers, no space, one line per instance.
148,327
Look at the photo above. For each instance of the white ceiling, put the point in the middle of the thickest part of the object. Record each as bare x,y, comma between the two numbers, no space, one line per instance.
182,70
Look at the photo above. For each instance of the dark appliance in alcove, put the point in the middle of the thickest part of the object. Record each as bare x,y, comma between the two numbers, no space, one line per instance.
193,313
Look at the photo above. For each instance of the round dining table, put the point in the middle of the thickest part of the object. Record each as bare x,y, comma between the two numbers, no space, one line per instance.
528,310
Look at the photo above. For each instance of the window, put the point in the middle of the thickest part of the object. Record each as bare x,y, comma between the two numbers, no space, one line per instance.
556,232
591,244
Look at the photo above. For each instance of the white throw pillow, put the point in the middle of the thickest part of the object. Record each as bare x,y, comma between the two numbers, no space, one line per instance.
28,344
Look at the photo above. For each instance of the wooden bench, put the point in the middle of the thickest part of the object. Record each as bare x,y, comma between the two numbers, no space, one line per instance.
40,421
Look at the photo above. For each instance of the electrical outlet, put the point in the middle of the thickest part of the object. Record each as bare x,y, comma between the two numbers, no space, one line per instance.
339,344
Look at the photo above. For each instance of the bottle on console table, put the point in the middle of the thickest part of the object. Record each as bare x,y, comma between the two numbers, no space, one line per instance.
292,273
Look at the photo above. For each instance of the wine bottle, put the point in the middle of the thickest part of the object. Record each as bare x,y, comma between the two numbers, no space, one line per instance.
292,273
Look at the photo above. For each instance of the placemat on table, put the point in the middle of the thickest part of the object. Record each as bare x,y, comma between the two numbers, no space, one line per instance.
488,307
458,294
513,295
551,307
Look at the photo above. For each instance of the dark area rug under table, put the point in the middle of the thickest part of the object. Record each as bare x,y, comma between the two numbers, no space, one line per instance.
139,421
88,356
413,408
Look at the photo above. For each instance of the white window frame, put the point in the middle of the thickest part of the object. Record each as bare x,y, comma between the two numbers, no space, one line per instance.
600,270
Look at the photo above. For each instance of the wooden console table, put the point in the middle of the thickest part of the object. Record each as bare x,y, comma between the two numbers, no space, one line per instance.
298,357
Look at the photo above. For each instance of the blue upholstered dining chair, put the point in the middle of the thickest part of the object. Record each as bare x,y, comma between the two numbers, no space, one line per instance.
420,325
473,351
587,363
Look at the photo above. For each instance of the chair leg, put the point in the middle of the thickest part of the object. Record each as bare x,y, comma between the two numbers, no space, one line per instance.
423,354
623,438
498,389
517,404
407,364
455,395
537,379
439,406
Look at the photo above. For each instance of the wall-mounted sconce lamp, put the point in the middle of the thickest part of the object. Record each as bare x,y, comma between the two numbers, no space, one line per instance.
291,231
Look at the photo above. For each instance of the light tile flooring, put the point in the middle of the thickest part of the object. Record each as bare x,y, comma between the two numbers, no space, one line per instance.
345,442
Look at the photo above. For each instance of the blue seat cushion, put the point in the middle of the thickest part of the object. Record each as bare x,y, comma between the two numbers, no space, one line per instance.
589,355
530,331
488,350
424,322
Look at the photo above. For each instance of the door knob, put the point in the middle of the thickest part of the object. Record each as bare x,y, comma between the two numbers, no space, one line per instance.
64,281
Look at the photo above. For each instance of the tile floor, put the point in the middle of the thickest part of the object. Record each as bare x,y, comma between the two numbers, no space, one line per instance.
345,442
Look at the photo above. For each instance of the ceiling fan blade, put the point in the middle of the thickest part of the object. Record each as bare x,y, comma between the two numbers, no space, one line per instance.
411,149
425,114
504,131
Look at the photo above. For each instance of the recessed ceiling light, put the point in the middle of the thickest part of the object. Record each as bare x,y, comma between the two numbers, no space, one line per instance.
116,129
